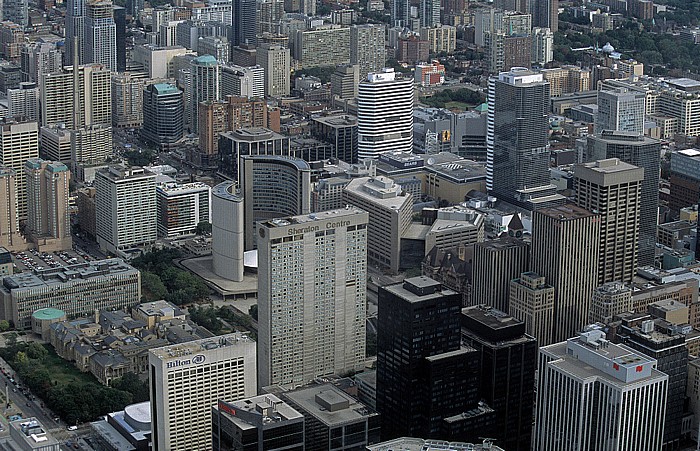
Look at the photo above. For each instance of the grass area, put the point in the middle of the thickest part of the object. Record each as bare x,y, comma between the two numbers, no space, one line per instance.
456,105
64,372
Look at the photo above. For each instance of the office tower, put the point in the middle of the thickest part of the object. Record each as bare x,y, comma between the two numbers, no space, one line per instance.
295,347
163,111
234,145
542,46
187,379
628,406
325,45
341,131
206,84
368,48
291,176
419,352
545,14
181,207
167,33
242,81
642,152
609,300
227,231
216,46
48,218
127,101
531,300
55,144
10,237
23,103
389,208
100,44
262,422
12,39
429,13
125,208
671,354
400,13
384,114
507,363
39,58
90,146
19,141
120,33
158,62
344,81
612,188
684,178
94,97
495,264
244,27
188,32
275,60
75,31
333,418
517,167
620,110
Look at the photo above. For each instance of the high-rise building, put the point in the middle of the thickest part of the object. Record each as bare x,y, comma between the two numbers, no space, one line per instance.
275,60
419,351
182,207
341,131
507,363
244,25
389,208
294,346
441,38
270,15
262,422
206,84
592,394
75,31
325,45
100,44
227,239
163,111
542,46
684,178
187,379
12,39
39,58
494,265
89,146
119,15
531,300
48,217
217,46
127,101
55,144
566,237
642,152
612,188
23,103
368,48
621,110
243,81
234,145
125,208
545,14
10,237
344,81
610,299
16,11
400,13
19,142
429,13
384,114
517,166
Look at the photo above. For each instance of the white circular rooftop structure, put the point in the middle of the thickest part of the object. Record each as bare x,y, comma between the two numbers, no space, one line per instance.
138,415
607,48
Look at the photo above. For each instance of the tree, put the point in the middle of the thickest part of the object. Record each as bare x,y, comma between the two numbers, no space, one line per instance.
4,325
21,358
36,351
204,228
253,311
131,383
152,287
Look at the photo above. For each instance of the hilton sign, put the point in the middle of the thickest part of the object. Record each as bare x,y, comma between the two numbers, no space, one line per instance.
195,360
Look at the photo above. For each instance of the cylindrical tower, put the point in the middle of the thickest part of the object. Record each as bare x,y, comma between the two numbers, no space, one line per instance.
227,231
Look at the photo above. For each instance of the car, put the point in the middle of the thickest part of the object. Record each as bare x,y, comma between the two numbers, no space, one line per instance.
72,428
29,404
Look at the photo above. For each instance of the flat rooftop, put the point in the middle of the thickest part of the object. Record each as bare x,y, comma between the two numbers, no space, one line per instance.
314,217
205,344
329,405
566,212
35,435
491,317
269,408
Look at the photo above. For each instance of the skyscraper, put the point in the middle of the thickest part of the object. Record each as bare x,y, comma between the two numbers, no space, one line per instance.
592,394
517,166
384,114
612,188
24,102
16,11
400,13
312,294
368,48
19,141
545,14
244,25
75,30
642,152
10,237
48,217
344,81
621,110
120,26
507,363
275,61
206,84
127,101
39,58
531,300
495,264
563,238
227,231
429,13
163,110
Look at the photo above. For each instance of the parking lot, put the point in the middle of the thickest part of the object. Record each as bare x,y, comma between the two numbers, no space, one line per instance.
33,259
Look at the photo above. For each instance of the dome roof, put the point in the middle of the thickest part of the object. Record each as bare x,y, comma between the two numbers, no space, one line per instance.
607,48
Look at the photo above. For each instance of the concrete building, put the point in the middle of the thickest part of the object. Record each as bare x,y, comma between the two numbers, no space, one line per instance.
127,101
236,144
48,216
10,237
495,264
24,102
344,81
454,227
612,188
19,142
275,61
390,215
90,147
609,300
181,207
206,84
216,46
384,114
620,110
242,81
545,14
542,46
40,58
531,300
158,61
368,48
28,434
441,38
76,289
227,231
565,237
295,348
100,45
125,208
340,131
567,417
187,379
262,422
326,45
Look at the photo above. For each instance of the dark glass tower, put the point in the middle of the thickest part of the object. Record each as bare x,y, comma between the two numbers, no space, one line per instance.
120,22
244,23
162,114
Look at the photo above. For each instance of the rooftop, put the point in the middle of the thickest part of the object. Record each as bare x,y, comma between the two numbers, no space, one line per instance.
379,190
259,410
54,276
566,212
206,344
47,314
329,405
34,433
419,444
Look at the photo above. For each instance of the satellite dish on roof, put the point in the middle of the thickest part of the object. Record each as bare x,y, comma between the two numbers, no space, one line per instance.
431,161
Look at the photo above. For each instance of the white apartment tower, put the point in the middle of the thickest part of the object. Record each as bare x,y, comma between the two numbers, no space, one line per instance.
19,142
187,379
243,81
368,48
621,110
23,103
384,114
125,208
275,61
542,46
593,394
312,294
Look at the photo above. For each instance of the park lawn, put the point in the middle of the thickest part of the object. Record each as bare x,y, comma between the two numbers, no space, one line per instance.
64,372
456,105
